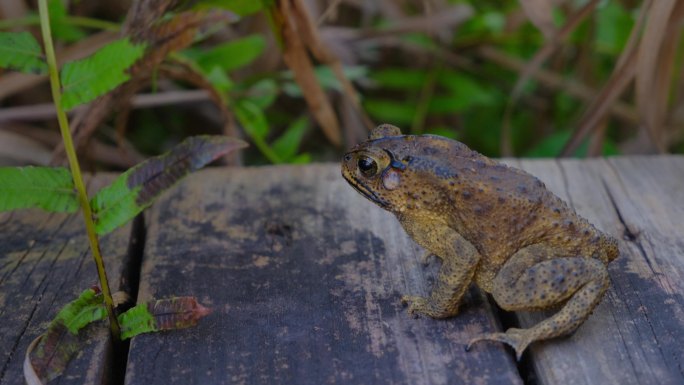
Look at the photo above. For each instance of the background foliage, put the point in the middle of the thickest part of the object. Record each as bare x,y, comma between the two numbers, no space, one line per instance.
531,78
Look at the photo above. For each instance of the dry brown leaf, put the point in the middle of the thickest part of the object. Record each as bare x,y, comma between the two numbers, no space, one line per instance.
162,38
619,80
309,34
297,59
649,64
555,81
540,13
30,375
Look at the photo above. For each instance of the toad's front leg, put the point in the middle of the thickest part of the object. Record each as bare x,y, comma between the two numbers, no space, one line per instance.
531,280
459,261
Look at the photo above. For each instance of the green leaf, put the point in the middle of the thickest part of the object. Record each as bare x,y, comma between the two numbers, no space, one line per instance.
163,314
326,78
613,26
252,118
553,144
287,144
59,25
233,54
136,320
301,159
218,78
384,110
240,7
48,188
138,187
20,51
400,78
262,93
86,79
87,308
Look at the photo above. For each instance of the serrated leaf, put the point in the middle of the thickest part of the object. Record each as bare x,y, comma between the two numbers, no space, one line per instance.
48,188
136,320
86,79
51,354
287,144
233,54
162,314
21,51
87,308
136,189
252,118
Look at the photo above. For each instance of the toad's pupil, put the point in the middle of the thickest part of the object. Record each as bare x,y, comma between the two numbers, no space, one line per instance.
367,166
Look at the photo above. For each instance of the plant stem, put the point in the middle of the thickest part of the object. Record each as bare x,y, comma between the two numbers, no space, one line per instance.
78,21
75,168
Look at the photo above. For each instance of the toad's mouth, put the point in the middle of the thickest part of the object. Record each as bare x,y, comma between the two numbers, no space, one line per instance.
364,190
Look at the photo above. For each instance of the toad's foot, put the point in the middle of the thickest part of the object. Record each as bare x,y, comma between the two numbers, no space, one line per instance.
422,305
426,258
518,339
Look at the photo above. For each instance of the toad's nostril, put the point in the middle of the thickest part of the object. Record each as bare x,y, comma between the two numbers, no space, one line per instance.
347,158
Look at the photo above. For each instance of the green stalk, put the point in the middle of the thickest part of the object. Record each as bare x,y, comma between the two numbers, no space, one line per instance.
75,168
78,21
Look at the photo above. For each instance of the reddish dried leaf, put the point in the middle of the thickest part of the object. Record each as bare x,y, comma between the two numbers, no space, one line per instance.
163,314
135,189
177,312
49,354
52,353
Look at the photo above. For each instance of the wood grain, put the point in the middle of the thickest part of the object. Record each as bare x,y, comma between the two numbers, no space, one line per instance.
636,334
44,264
305,278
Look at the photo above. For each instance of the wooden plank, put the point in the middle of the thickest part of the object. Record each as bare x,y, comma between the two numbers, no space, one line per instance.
305,278
636,335
44,264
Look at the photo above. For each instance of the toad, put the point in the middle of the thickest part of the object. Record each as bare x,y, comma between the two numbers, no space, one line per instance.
490,224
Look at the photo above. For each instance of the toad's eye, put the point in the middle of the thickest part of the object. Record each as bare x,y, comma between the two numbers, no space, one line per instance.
367,166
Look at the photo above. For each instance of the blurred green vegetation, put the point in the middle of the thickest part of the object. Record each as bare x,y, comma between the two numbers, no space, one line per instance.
438,80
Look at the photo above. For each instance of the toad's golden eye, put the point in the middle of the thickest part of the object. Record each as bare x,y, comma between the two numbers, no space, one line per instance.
367,166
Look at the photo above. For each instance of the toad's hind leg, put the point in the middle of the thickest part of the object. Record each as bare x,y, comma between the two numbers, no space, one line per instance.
526,282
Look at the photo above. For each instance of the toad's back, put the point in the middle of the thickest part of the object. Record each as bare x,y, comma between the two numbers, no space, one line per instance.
499,209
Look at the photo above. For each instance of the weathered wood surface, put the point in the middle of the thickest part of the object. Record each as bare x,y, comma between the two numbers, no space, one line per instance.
44,264
636,334
305,278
